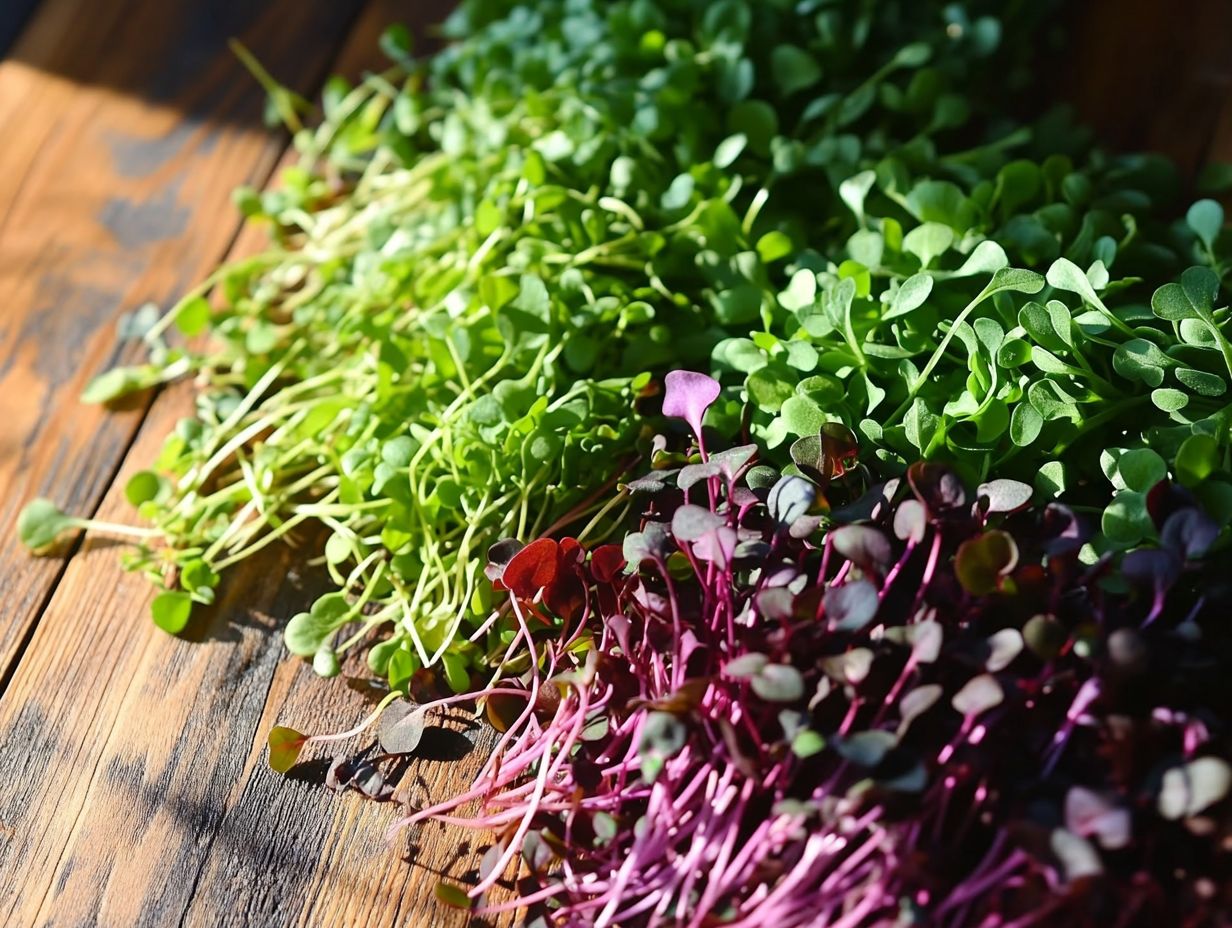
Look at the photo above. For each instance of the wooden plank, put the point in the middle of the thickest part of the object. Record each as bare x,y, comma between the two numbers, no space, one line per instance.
140,790
1152,76
126,126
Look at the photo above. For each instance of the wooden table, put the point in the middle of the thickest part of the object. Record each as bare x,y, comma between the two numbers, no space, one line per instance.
133,784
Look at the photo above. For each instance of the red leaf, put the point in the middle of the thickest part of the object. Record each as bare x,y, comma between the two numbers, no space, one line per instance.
606,561
571,551
532,568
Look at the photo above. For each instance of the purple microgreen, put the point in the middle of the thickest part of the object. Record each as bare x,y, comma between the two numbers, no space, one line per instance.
851,606
688,395
402,728
866,547
1194,787
1003,647
1092,815
692,474
1002,496
978,695
778,683
790,498
690,523
910,521
866,748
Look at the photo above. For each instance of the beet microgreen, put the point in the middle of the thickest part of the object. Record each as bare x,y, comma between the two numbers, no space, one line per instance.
1004,734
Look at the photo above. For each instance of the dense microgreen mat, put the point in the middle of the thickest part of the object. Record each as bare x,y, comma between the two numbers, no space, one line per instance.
920,603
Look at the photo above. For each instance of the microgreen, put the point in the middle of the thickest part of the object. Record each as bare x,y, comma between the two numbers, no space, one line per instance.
1000,728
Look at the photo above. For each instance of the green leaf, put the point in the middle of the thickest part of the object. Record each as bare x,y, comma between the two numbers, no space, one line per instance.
928,241
193,316
1197,459
307,632
729,150
1050,482
793,68
1025,425
1194,297
1169,400
910,295
1014,352
1013,279
920,424
1125,520
982,561
1141,469
987,258
1206,219
118,382
773,246
284,747
768,390
325,663
1201,382
1140,360
806,743
802,416
142,487
171,611
41,522
854,190
1064,274
533,298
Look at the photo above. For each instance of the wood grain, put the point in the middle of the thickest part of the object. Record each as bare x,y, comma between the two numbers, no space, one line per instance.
126,125
138,792
1152,76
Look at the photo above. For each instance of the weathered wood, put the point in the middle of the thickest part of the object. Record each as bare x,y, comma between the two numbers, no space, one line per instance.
126,125
140,793
1152,76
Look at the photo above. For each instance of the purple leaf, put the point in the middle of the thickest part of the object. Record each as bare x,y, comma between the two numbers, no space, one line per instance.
1189,532
1076,854
1194,787
717,546
402,727
998,496
978,696
692,474
778,683
1094,816
910,520
936,486
916,703
1003,647
851,606
745,666
849,667
866,748
693,522
688,396
867,547
926,640
790,498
